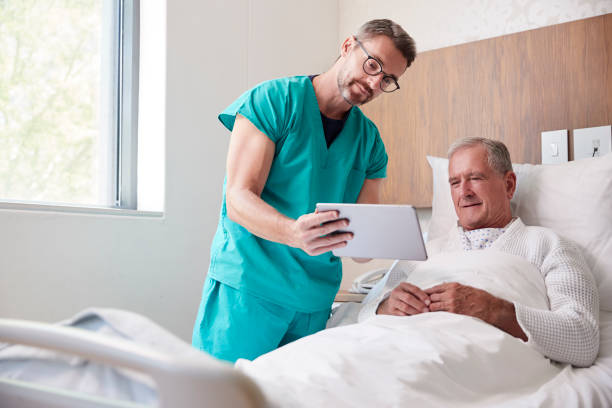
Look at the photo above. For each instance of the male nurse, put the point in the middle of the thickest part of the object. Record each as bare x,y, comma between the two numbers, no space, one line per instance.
295,142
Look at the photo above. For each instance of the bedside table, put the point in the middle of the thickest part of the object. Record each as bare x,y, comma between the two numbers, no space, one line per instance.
346,296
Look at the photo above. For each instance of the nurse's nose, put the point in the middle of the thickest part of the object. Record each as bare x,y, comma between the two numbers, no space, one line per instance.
374,82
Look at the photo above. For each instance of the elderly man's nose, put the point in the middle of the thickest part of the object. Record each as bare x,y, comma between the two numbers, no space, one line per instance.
465,189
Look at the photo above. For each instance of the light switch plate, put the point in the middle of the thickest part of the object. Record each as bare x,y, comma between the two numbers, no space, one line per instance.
588,139
554,146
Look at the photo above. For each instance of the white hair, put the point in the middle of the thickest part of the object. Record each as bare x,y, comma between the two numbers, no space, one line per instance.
497,152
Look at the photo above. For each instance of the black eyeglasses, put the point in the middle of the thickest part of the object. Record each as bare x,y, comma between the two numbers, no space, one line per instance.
372,66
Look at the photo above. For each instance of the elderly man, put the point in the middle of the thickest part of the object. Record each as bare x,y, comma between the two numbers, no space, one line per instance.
482,183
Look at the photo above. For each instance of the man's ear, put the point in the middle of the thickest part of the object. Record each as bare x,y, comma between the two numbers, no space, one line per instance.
346,46
510,183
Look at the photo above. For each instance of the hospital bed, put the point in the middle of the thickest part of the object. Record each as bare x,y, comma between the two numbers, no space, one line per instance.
369,363
185,378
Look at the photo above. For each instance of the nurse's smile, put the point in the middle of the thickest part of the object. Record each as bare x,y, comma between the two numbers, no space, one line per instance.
363,92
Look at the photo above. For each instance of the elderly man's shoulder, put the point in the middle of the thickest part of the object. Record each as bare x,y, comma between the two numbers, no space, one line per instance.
543,246
548,238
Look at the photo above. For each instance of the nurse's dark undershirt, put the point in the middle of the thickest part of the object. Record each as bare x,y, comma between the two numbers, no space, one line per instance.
331,127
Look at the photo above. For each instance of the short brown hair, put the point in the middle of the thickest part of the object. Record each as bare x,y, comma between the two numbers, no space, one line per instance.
402,41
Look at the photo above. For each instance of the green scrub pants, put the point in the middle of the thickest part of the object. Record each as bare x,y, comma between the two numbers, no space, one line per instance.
232,324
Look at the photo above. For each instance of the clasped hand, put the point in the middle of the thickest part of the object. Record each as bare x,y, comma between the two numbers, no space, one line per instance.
407,299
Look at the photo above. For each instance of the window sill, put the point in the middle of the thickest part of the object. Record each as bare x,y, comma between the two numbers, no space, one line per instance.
76,209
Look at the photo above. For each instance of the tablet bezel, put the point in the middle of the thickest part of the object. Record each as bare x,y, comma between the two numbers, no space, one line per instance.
381,231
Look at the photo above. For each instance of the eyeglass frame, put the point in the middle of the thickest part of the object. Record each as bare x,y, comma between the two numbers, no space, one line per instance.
385,75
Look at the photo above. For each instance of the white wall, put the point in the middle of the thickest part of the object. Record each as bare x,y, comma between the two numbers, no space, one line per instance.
54,264
441,23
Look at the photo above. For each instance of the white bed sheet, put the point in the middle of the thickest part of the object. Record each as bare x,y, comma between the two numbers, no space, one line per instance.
358,365
434,359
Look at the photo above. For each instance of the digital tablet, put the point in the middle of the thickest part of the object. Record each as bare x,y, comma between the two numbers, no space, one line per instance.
380,231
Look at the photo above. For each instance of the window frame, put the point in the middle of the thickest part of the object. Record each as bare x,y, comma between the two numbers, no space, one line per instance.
125,109
120,132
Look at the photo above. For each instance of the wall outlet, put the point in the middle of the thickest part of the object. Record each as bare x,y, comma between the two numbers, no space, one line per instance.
592,142
554,146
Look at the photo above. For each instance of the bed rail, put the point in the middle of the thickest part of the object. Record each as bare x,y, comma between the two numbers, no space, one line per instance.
195,381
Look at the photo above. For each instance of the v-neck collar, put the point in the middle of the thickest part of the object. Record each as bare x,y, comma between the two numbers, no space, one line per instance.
328,152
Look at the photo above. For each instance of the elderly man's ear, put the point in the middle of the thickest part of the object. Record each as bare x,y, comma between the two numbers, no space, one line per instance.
510,181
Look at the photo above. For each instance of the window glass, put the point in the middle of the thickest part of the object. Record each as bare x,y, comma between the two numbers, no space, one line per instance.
55,122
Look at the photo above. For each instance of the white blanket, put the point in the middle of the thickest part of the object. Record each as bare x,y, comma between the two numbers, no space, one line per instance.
433,359
499,273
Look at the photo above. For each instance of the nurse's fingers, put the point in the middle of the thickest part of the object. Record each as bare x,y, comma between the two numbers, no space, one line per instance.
323,249
328,228
318,218
329,240
301,229
319,232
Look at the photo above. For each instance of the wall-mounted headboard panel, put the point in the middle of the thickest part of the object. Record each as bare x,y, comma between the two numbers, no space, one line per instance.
510,88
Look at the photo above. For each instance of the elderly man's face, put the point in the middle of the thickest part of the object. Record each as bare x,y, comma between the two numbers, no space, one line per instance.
354,84
480,194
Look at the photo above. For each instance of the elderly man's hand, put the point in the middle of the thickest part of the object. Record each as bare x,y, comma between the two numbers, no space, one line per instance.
462,299
405,300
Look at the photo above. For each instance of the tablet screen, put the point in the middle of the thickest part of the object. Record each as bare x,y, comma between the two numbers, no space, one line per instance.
380,231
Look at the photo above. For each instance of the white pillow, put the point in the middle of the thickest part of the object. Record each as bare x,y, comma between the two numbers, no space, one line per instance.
443,216
574,199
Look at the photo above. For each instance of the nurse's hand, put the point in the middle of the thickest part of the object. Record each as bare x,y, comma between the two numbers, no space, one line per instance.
316,233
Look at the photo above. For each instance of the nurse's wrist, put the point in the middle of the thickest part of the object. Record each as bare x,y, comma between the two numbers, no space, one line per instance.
286,227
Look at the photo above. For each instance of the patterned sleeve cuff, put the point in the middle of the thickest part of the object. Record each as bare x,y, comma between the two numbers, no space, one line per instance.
522,317
368,310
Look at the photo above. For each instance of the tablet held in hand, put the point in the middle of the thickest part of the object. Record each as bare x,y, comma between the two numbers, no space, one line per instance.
380,231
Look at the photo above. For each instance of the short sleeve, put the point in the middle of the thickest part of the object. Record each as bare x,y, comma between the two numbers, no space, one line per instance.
265,106
377,167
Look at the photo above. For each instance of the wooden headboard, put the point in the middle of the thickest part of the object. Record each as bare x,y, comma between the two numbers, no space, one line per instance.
509,88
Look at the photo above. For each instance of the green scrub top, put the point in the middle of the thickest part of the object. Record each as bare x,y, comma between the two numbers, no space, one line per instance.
304,172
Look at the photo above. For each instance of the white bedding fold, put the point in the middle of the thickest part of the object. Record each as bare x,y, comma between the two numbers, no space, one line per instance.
503,275
441,360
433,359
